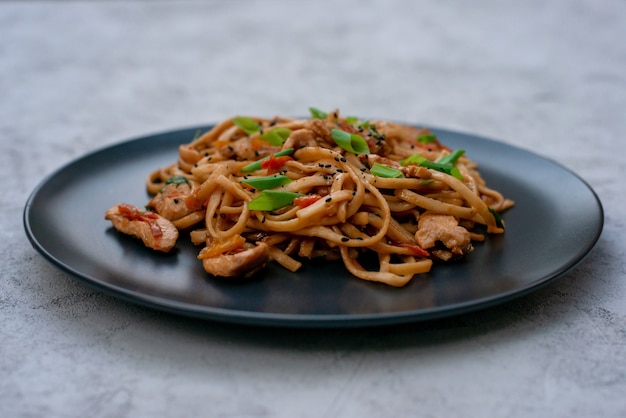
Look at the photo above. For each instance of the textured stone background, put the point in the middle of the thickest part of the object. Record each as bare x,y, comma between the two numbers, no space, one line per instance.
545,76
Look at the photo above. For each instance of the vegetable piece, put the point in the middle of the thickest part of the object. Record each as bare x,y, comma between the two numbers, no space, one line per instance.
272,199
177,180
307,200
426,138
276,136
375,133
451,158
317,114
275,164
246,124
415,249
219,246
269,182
417,159
498,218
444,168
353,143
257,164
386,172
352,120
414,159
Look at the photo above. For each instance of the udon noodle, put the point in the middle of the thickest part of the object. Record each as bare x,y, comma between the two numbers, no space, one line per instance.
387,199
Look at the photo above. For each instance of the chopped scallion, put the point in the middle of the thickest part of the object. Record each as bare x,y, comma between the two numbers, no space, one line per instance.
177,180
272,199
317,114
414,159
448,168
497,217
269,182
276,136
246,124
350,142
451,158
426,138
444,168
386,172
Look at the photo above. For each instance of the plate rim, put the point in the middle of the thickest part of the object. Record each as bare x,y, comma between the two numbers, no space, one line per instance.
299,320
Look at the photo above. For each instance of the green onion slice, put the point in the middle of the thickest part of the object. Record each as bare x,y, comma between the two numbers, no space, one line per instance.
352,120
317,114
414,159
375,133
246,124
257,164
177,180
426,138
386,172
498,218
269,182
272,199
451,158
444,168
276,136
450,169
350,142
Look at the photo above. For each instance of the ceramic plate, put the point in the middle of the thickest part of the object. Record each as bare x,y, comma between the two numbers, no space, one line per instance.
556,221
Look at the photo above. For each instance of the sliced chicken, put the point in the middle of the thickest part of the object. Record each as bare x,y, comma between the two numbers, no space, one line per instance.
371,159
242,263
154,230
171,201
301,138
435,227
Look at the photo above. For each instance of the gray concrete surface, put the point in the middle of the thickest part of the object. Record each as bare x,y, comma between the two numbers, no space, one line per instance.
545,76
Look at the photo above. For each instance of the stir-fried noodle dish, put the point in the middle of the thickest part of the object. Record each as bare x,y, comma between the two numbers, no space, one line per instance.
388,199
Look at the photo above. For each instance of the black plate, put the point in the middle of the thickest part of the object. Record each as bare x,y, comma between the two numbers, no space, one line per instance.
555,223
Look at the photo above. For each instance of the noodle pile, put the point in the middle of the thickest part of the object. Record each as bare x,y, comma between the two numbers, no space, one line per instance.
327,187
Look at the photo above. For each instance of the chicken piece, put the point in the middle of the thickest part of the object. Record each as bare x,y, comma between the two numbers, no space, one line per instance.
371,159
435,227
322,132
242,149
415,171
238,264
154,230
171,201
300,138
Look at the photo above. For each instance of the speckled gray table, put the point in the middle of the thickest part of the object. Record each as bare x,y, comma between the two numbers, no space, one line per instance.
545,76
